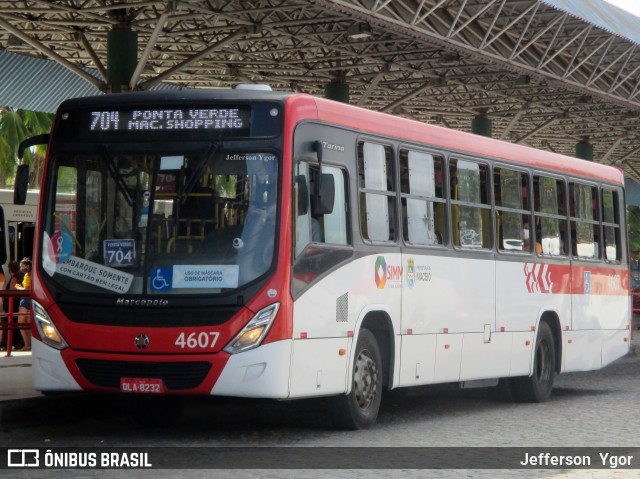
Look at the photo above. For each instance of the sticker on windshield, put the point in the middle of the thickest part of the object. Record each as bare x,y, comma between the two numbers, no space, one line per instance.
62,246
95,274
205,276
161,279
119,252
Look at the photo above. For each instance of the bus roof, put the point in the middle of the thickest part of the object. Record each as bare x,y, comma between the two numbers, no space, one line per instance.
413,131
361,119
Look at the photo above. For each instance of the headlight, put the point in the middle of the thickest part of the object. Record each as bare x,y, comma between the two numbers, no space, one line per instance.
254,332
48,332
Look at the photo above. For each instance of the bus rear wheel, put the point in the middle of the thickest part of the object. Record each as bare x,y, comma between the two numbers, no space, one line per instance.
538,386
359,409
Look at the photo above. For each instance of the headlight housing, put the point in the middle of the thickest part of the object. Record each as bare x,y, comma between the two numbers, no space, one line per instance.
255,331
48,331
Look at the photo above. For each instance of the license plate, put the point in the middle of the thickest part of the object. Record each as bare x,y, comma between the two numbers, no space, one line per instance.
142,385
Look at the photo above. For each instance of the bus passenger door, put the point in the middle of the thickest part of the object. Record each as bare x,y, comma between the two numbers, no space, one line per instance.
20,240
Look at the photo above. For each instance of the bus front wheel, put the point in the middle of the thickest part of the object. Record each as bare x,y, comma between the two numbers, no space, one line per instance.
359,408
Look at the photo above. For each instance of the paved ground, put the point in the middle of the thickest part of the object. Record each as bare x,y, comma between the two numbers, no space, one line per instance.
15,377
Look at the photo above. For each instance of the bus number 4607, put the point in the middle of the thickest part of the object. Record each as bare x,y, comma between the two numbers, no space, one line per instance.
197,340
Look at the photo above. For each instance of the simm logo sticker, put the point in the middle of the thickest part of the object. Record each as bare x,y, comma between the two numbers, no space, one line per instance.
388,276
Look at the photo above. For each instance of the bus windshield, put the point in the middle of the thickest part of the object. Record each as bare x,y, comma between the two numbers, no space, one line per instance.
133,221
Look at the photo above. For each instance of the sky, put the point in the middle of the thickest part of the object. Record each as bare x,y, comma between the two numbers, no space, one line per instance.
632,6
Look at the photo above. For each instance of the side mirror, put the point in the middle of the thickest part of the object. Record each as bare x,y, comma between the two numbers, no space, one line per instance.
32,141
21,185
324,198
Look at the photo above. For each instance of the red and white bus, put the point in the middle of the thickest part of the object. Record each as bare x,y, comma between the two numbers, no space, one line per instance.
271,245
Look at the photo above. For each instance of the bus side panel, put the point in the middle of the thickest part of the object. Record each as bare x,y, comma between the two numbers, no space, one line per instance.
448,357
583,350
418,359
600,298
326,317
319,366
521,353
615,344
486,356
449,296
600,317
525,291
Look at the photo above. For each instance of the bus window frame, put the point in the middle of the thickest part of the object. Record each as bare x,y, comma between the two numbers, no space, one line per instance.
496,209
618,225
489,206
394,194
444,200
571,182
295,214
564,255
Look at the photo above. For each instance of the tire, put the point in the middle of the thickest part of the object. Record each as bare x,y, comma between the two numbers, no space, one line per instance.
359,408
538,386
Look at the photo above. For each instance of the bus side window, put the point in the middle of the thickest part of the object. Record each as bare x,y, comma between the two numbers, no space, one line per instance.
611,225
377,192
512,219
550,216
470,206
422,198
585,225
320,218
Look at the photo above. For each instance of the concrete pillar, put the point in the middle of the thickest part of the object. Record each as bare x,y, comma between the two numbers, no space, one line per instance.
337,90
584,149
481,124
122,57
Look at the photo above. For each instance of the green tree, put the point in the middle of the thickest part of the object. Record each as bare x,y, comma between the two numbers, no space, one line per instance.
633,218
17,125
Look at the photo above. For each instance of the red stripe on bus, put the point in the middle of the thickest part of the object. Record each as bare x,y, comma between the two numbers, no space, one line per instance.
566,279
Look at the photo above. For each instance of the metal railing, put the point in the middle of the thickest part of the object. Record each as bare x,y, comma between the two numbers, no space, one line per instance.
9,321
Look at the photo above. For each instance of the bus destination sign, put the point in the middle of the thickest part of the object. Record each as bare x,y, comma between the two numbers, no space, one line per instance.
180,119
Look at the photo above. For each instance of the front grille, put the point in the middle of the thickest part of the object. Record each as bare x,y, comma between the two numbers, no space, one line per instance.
109,315
107,374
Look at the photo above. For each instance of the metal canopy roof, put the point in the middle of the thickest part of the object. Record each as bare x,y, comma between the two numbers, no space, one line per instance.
548,73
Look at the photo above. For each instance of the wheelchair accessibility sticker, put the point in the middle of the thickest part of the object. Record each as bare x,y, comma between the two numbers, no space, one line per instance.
194,276
161,279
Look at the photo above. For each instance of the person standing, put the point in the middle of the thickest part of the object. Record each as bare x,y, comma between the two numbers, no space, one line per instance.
25,303
10,284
